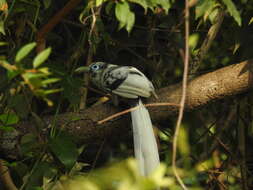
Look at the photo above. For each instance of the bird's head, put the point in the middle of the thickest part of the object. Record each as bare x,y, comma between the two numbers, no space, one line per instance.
97,67
95,70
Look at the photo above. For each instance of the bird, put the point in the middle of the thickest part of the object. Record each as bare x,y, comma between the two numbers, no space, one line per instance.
130,83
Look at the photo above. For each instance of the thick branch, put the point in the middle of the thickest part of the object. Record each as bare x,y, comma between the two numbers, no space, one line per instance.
222,83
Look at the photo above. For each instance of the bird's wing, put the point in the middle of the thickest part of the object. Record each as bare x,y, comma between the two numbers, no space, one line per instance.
113,76
127,82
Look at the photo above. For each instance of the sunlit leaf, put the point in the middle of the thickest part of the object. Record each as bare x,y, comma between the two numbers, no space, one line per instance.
121,11
193,40
4,43
212,15
251,20
100,2
203,7
183,143
130,22
233,11
165,4
51,91
24,51
124,15
2,30
41,57
158,176
3,5
237,46
49,81
49,102
205,165
7,65
44,70
29,76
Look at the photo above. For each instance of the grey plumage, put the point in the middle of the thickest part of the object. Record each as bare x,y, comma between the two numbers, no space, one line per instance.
124,81
129,82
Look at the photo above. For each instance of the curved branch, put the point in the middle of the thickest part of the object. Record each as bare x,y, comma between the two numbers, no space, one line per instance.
210,87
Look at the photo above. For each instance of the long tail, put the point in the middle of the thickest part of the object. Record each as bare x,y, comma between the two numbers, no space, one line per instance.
145,146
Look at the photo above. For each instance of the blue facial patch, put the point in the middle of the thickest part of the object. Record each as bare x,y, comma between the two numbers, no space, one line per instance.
95,67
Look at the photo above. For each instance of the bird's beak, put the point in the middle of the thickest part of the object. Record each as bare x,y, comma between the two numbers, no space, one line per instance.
83,69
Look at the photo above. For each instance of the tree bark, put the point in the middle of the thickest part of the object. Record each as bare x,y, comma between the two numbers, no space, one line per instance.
207,88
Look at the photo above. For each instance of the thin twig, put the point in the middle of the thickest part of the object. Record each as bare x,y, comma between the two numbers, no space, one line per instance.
132,109
182,102
89,60
211,35
41,34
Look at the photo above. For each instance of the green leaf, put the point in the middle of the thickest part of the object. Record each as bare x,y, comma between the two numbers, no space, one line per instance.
142,3
183,144
12,73
237,46
125,16
2,31
64,149
9,119
193,40
41,57
213,15
233,11
4,43
100,2
47,3
44,70
131,20
203,7
24,51
6,128
51,91
251,20
121,11
49,81
165,4
7,65
49,102
29,76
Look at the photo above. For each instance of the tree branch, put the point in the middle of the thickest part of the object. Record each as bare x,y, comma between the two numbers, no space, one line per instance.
210,87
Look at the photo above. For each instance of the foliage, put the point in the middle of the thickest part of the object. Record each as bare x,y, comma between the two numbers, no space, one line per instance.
36,78
123,175
142,33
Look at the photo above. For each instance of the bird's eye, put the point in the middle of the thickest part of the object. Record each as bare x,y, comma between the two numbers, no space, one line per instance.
95,67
